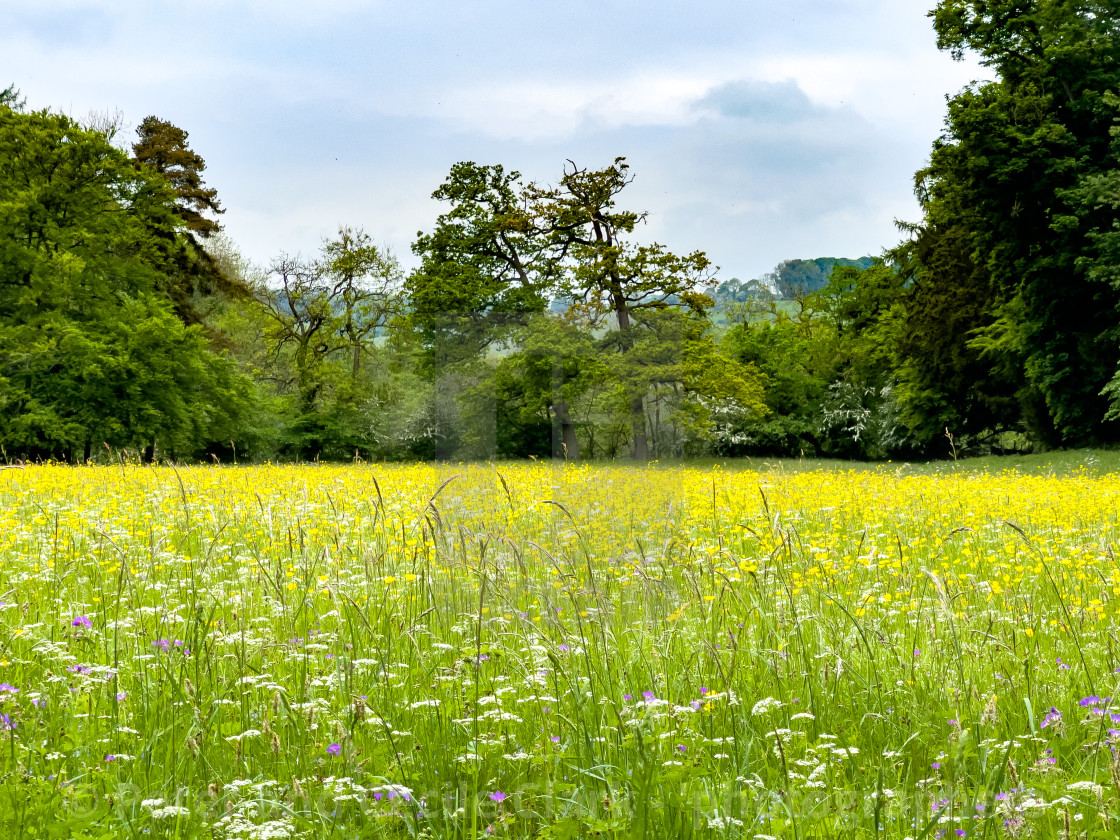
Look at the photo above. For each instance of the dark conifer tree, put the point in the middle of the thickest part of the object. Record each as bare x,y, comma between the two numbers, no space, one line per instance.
192,270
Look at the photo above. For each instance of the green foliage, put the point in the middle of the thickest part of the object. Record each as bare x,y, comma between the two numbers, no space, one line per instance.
321,319
496,257
794,278
829,367
89,349
1011,321
10,98
552,374
539,324
135,376
611,276
795,353
486,265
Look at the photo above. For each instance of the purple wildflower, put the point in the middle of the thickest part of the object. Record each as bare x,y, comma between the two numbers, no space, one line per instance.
8,687
335,749
1052,716
81,621
498,796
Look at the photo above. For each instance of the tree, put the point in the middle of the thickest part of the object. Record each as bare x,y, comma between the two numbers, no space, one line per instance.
1008,241
89,350
162,147
829,363
366,292
486,266
326,312
555,364
10,98
610,275
504,248
801,277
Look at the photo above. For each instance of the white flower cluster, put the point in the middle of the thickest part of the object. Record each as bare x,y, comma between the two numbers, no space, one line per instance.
765,706
159,810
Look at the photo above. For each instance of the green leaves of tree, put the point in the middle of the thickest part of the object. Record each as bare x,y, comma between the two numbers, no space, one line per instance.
89,348
1008,323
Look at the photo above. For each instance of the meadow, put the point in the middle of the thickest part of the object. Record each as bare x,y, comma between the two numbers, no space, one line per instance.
551,650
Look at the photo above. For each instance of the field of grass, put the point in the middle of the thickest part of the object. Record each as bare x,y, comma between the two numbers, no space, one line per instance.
770,651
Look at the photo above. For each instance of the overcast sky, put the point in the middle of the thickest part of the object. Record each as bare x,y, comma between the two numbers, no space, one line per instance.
758,130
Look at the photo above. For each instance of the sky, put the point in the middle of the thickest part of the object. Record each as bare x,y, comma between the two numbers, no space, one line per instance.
757,130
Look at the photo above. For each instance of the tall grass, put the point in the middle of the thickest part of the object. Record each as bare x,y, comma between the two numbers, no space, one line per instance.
558,651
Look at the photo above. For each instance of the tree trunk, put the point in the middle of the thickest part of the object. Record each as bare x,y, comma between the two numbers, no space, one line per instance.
565,444
637,404
638,428
88,452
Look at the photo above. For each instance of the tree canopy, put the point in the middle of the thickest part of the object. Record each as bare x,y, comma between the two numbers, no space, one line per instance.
540,322
1012,317
90,350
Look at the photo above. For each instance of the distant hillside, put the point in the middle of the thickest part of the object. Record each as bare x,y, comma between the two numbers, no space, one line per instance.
788,279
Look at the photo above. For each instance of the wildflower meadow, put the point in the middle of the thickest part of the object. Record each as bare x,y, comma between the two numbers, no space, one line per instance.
558,650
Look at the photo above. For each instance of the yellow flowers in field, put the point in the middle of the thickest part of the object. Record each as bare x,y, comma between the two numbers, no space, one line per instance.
728,632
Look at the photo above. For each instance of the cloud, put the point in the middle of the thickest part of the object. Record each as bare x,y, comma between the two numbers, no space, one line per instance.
750,171
776,103
757,131
765,173
540,109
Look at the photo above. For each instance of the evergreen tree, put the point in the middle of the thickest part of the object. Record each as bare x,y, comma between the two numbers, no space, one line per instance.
1011,323
191,270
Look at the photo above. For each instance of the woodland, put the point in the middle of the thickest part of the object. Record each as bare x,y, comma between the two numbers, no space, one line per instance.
539,322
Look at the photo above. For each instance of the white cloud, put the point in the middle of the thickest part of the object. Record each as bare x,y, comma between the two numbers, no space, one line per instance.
757,131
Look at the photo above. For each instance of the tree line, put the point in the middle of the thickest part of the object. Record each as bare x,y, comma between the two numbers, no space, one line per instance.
540,323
